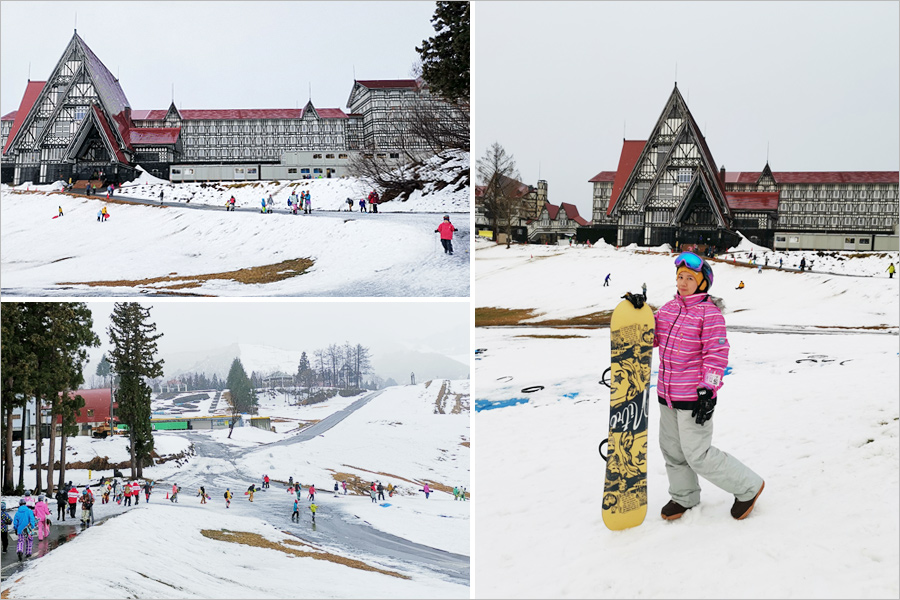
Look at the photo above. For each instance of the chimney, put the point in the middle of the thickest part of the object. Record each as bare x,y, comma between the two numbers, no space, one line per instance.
722,175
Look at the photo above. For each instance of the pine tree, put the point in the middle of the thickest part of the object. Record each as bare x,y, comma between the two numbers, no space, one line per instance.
445,57
133,337
241,397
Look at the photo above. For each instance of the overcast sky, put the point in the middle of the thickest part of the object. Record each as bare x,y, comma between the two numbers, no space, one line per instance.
218,54
560,84
441,327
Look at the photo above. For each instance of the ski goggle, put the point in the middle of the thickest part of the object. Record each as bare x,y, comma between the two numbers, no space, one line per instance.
689,260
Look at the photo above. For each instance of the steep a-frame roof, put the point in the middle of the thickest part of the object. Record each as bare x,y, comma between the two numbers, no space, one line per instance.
631,152
700,181
96,119
32,91
688,131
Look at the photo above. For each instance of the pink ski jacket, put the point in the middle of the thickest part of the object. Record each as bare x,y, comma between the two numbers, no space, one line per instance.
41,511
693,348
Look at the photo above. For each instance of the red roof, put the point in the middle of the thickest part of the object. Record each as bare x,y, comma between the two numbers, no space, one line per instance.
631,152
107,132
785,177
603,176
153,135
9,116
32,91
94,400
387,83
752,200
570,209
237,113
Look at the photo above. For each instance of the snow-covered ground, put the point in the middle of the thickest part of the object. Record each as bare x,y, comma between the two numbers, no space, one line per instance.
810,402
141,248
397,437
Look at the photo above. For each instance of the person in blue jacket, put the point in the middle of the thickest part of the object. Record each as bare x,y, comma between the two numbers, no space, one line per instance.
24,523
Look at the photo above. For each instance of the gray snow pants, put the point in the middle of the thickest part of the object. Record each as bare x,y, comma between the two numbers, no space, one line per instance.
688,451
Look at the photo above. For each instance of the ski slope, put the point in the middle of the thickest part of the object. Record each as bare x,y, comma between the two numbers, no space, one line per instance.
809,403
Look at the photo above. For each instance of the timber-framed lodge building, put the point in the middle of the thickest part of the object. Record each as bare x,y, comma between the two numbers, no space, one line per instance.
79,123
668,189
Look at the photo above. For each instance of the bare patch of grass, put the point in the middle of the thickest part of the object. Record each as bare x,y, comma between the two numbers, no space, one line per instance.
254,539
491,316
507,317
251,275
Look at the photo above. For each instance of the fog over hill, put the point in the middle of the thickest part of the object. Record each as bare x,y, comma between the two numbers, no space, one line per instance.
392,361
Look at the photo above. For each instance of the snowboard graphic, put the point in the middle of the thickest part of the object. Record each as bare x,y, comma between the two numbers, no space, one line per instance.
625,487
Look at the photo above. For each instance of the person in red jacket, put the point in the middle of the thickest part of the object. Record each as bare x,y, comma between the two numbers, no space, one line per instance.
127,494
446,230
693,353
73,499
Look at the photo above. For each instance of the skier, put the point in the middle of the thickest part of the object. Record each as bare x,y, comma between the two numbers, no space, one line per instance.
446,230
313,508
693,357
24,524
362,205
202,494
227,497
42,515
5,521
606,281
891,270
295,516
61,504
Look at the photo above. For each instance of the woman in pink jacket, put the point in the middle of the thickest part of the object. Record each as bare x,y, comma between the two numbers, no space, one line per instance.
693,353
41,514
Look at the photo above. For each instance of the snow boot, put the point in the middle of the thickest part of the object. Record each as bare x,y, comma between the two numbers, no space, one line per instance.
672,511
20,555
741,510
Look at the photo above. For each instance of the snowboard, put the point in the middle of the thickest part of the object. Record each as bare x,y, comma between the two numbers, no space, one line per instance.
625,487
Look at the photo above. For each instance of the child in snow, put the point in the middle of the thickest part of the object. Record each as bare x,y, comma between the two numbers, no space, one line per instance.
6,521
202,494
24,524
372,494
295,516
308,204
362,205
693,356
313,508
227,498
174,496
250,491
42,516
344,484
87,505
446,230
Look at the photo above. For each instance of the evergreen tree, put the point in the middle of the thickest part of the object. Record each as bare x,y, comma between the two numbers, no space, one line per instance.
103,369
133,337
241,397
445,57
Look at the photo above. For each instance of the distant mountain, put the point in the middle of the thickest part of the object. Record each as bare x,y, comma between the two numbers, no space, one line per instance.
394,363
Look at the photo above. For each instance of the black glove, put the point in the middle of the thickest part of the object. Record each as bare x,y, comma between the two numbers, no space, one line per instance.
637,300
706,404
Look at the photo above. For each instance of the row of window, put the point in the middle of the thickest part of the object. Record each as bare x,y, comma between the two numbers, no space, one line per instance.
306,140
258,127
833,221
789,207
